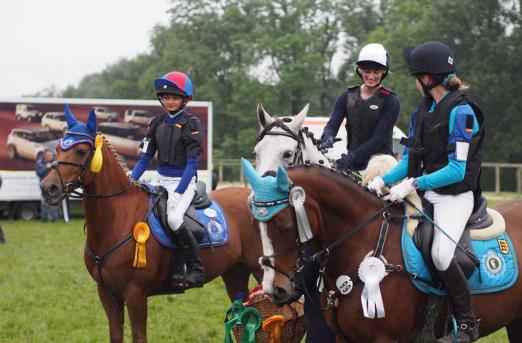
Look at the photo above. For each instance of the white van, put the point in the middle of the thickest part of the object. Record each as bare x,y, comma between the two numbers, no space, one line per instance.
139,117
103,113
317,124
27,112
55,121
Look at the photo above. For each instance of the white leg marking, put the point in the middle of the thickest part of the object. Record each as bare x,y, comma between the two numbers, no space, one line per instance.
268,250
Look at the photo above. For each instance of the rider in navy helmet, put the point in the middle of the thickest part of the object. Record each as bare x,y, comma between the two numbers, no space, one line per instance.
442,159
176,137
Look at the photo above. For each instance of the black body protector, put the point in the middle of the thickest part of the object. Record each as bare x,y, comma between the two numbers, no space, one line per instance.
173,142
362,117
429,148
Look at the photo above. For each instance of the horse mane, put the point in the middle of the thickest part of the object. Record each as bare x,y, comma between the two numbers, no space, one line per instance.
122,164
342,177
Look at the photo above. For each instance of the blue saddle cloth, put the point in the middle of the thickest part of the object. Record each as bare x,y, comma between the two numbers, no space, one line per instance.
212,218
498,265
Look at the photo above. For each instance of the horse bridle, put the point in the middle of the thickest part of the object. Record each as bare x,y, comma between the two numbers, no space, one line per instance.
323,254
280,123
78,182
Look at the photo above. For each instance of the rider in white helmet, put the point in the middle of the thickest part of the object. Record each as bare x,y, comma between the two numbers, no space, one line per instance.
370,111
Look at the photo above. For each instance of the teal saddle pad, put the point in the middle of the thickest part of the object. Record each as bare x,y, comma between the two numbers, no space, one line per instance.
498,265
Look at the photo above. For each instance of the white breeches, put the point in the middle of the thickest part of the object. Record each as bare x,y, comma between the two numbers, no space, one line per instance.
451,213
176,209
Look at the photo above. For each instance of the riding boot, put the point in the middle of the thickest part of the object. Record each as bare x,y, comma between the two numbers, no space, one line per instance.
195,275
460,296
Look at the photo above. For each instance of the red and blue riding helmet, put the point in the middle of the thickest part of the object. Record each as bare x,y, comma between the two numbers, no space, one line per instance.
174,82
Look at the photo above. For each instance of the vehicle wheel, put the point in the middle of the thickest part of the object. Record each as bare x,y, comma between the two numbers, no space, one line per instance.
27,211
18,117
11,151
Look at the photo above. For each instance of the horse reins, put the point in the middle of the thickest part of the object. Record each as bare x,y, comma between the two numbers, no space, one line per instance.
78,183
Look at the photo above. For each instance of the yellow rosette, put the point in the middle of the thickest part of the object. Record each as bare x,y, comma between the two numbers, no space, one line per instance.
97,159
141,234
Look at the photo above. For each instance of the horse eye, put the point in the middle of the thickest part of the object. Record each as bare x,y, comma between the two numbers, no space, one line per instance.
287,154
81,152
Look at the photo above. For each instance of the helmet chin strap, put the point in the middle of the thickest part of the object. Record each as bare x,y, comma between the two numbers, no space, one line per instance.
426,88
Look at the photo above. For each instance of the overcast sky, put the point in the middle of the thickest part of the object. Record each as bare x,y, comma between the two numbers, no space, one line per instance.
57,42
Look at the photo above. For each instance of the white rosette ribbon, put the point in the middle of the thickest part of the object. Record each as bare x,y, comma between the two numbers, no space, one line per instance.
371,272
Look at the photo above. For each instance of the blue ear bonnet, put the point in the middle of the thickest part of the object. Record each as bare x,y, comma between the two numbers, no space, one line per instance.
78,132
271,194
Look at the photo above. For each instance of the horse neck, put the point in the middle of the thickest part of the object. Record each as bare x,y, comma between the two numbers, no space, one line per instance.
103,215
342,205
311,152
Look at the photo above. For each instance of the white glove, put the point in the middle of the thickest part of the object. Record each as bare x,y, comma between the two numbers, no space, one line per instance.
401,191
376,185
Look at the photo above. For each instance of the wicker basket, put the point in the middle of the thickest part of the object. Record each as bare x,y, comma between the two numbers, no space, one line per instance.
294,327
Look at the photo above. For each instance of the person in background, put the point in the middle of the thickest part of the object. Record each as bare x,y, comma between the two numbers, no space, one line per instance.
176,137
442,159
43,166
370,111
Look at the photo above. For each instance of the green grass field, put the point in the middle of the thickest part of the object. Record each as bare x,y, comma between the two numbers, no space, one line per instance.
46,294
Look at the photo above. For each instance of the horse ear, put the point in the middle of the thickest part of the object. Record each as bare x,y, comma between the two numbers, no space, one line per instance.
69,117
250,173
297,122
91,123
263,118
282,179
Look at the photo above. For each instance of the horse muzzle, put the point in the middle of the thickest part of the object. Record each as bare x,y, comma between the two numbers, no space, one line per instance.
52,192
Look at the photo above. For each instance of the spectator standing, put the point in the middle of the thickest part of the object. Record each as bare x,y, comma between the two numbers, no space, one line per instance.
43,166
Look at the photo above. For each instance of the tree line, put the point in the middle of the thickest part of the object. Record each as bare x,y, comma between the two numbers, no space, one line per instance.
286,53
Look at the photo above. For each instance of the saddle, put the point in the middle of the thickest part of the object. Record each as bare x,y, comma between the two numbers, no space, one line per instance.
423,236
201,200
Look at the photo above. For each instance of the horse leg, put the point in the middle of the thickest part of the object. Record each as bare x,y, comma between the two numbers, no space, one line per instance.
113,307
136,302
236,281
514,330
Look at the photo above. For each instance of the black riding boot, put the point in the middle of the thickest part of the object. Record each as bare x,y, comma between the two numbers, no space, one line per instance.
195,275
464,310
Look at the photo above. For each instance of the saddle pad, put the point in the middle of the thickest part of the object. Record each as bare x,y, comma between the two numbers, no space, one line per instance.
211,217
498,265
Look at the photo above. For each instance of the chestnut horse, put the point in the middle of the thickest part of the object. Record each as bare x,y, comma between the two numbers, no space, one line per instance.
338,207
113,204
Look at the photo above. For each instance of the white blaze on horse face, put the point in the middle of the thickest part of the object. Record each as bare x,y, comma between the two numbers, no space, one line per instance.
274,150
268,250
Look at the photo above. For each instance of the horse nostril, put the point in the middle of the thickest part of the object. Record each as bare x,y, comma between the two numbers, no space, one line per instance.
280,294
53,190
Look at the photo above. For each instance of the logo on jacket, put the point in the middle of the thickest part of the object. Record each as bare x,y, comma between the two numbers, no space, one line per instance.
374,107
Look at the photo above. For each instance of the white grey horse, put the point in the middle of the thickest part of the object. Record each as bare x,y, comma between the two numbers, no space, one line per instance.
284,141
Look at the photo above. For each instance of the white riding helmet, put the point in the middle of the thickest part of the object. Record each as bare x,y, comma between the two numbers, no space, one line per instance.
374,55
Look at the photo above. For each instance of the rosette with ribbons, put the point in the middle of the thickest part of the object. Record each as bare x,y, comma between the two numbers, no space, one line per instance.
371,271
274,325
141,233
